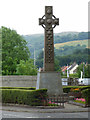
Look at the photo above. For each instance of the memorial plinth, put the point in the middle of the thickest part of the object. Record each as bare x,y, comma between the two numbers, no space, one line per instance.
51,81
48,78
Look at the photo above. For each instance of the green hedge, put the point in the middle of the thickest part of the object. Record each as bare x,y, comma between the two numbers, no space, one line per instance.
27,97
86,95
66,89
25,88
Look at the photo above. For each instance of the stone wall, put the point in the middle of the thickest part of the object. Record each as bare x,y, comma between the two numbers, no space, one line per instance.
18,81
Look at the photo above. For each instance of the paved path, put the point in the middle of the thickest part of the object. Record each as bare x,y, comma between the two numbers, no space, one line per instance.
10,114
19,111
69,108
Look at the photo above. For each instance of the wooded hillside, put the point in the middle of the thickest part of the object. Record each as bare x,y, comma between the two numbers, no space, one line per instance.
37,41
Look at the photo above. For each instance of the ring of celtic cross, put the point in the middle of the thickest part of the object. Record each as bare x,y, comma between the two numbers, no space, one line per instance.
49,21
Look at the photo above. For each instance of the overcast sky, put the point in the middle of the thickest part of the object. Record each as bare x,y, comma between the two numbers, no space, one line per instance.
22,15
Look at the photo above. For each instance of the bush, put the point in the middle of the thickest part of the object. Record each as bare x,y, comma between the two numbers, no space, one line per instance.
68,88
27,97
26,68
73,75
86,95
25,88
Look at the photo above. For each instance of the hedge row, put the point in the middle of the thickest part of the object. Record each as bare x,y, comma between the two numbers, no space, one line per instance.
25,88
27,97
86,95
67,89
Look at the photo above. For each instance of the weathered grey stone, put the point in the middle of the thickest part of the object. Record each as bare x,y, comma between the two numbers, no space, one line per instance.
18,81
51,81
48,23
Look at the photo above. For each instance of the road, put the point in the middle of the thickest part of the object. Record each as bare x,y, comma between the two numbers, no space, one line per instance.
12,114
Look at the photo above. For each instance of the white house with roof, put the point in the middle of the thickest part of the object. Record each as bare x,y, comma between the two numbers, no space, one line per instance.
72,69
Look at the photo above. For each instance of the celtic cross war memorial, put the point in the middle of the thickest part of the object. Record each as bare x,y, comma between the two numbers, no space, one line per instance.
49,78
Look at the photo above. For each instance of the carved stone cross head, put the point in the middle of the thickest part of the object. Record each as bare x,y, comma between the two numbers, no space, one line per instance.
48,20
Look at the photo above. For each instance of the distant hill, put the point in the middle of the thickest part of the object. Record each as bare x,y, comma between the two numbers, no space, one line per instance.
72,43
67,48
36,41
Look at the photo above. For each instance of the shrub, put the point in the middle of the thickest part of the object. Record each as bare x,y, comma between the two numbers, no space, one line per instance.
26,68
27,97
67,89
80,100
76,90
73,75
25,88
86,95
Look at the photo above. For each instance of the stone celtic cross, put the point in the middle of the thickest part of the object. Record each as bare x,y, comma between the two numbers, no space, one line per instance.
48,22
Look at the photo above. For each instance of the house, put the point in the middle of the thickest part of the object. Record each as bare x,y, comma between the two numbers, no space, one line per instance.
64,68
72,69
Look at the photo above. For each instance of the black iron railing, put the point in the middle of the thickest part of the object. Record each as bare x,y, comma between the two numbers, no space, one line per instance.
56,100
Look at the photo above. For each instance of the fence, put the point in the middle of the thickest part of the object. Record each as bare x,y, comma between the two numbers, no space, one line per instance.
56,100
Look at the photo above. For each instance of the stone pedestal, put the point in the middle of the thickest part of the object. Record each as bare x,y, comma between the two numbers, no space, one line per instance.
50,80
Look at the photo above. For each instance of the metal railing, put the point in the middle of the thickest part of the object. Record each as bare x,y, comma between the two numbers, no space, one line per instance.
56,100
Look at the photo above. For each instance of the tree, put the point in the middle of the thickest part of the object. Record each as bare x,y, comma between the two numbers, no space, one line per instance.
39,61
26,68
57,66
86,68
87,74
83,35
14,49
